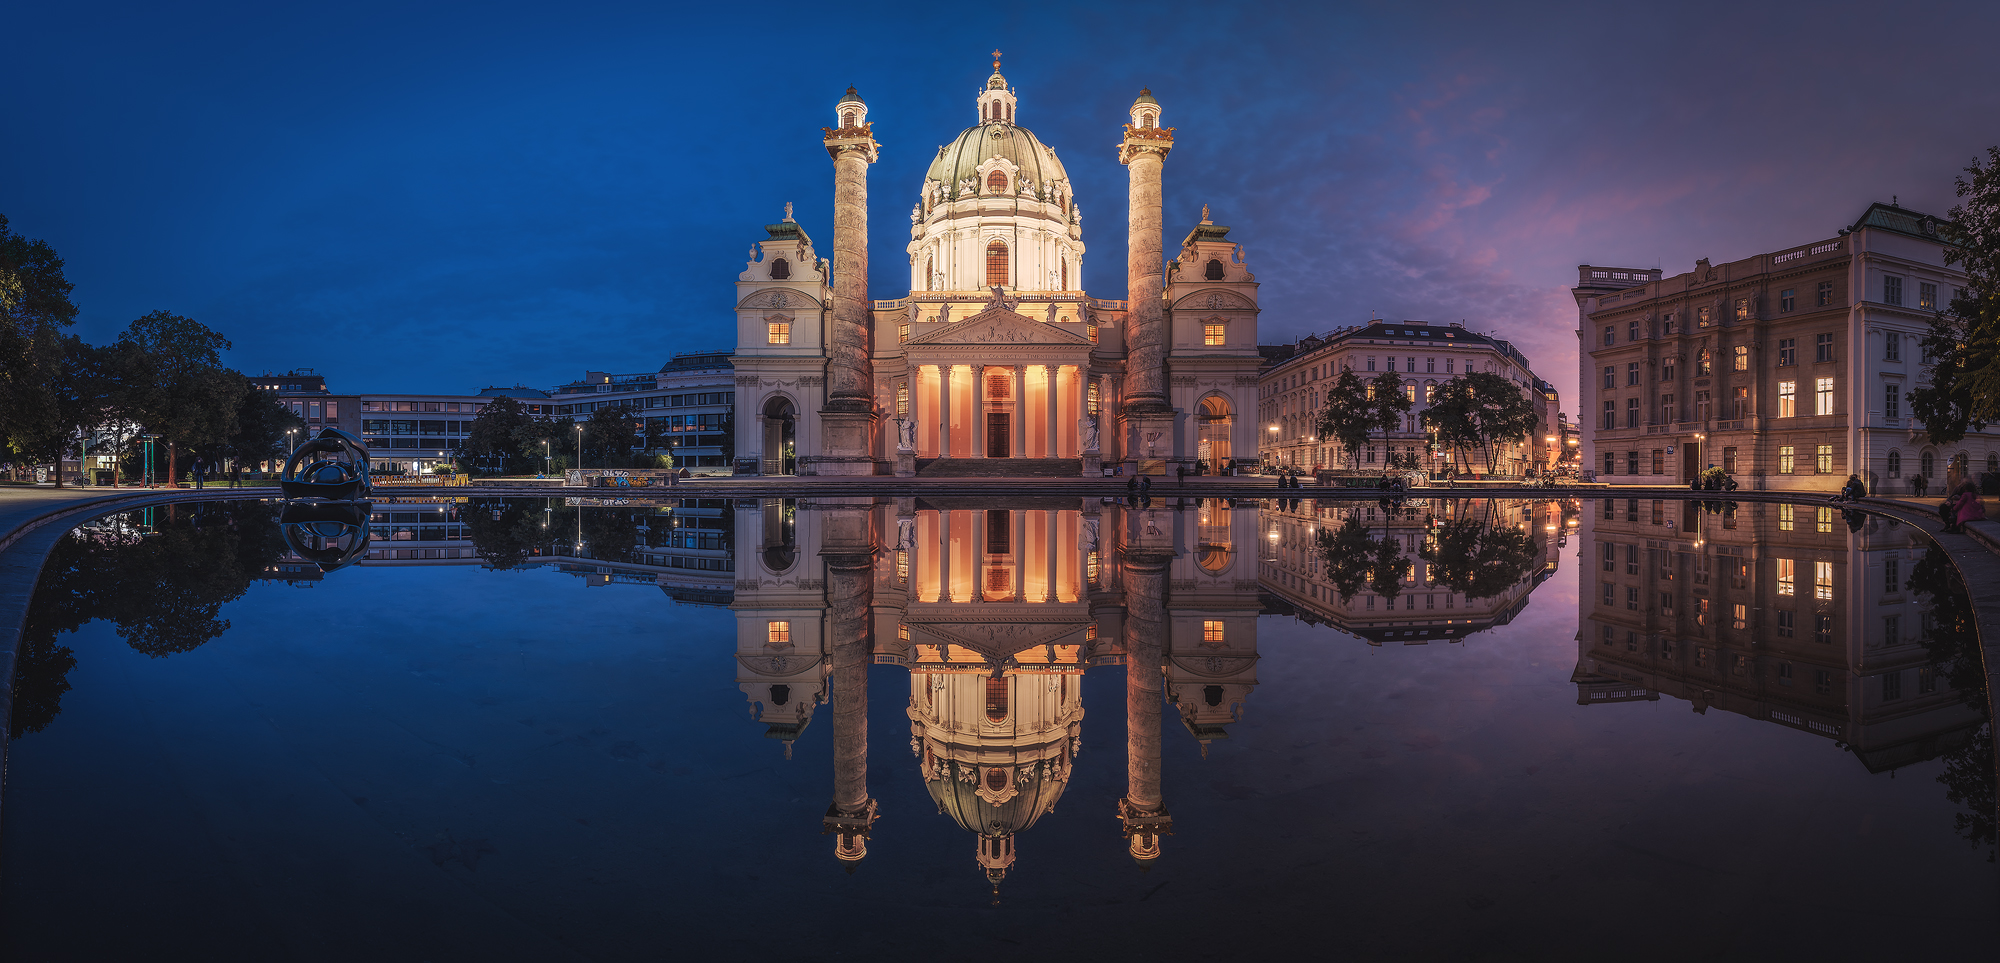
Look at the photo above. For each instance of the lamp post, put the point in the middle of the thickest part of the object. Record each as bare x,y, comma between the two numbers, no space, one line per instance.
548,461
579,446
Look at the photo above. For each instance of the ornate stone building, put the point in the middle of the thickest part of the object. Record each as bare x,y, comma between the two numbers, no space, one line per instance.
997,351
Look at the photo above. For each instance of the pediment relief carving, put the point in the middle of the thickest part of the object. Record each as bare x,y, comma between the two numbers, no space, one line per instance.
999,326
779,298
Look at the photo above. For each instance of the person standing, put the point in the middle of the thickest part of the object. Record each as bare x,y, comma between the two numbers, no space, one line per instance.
1921,484
198,469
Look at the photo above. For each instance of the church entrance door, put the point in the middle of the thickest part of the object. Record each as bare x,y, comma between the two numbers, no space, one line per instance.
999,432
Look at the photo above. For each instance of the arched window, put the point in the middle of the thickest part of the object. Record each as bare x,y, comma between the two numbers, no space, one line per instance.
996,699
996,781
781,694
780,269
930,272
1895,464
1010,114
996,261
996,182
1927,465
847,118
1065,274
1214,269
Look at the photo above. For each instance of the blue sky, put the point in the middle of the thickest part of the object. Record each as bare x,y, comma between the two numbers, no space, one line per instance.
443,197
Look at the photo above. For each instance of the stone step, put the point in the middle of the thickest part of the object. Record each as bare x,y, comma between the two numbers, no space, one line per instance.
999,467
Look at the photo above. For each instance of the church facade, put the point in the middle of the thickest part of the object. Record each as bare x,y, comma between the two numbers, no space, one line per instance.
997,361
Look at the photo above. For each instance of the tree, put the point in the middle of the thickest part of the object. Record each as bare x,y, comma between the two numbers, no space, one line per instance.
1349,416
1346,555
505,532
545,436
261,424
1390,401
1483,409
71,400
610,435
169,371
1389,565
497,431
34,308
1964,344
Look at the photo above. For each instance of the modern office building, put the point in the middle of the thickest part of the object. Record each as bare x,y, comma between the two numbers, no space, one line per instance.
1790,369
1293,384
687,407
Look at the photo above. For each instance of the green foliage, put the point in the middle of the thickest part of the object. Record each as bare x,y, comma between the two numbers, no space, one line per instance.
1480,410
1348,417
34,308
261,424
609,437
1964,344
1388,401
1346,556
499,430
169,378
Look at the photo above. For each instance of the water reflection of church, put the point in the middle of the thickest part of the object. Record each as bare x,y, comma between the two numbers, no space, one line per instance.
996,613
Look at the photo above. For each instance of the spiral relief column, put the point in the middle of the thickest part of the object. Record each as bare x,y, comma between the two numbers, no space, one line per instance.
1147,412
1143,811
847,421
849,552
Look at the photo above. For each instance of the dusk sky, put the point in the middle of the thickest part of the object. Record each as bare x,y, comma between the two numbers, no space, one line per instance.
437,199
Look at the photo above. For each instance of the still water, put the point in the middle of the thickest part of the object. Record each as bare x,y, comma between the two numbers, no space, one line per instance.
883,729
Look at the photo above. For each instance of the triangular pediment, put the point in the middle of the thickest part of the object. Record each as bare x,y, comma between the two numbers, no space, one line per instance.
999,326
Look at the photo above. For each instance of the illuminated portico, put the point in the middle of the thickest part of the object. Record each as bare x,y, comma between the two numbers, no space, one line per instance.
995,385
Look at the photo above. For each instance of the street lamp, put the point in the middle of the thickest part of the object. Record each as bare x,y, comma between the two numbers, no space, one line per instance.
548,462
579,446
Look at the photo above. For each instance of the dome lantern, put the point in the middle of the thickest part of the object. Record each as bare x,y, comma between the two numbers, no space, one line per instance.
996,99
851,111
1145,110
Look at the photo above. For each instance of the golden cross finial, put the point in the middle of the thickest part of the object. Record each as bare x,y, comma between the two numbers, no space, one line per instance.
996,60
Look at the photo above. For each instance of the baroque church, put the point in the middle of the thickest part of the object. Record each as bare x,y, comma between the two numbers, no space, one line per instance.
997,361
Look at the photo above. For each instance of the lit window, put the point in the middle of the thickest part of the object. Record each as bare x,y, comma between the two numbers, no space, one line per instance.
1823,518
996,182
1785,517
1784,461
1823,396
1823,463
1212,335
779,332
1742,314
1211,631
1927,296
1823,581
1742,616
903,398
1788,351
996,262
778,633
902,332
1787,398
1701,318
1741,360
1786,581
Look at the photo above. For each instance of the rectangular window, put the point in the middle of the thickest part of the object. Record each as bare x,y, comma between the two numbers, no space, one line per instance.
1741,617
1610,462
1740,357
1787,299
1631,509
777,634
1892,347
1632,463
1610,336
1739,402
1892,686
1667,650
1631,412
1825,294
1892,575
1450,365
1823,581
1823,463
1892,289
1666,369
1823,396
1609,600
1784,673
1823,347
1659,462
1742,309
1632,331
1211,631
1785,516
1787,584
1659,517
1788,352
1823,518
1926,680
1610,554
333,411
1610,413
1701,318
1927,296
1667,323
1632,373
1786,626
1212,335
1729,459
1610,508
903,398
1666,409
1787,398
1371,362
902,332
1822,682
1892,629
1632,598
1610,376
1631,559
779,332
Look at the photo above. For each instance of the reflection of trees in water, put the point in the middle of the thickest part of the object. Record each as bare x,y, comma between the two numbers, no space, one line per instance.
163,591
1953,641
505,531
1348,554
1475,557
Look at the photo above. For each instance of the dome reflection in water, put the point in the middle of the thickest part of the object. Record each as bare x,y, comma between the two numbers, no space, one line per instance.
1349,703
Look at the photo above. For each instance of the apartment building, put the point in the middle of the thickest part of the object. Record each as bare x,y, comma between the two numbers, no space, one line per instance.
1790,369
1293,383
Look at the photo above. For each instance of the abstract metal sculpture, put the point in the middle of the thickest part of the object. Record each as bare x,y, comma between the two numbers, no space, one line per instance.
340,478
328,534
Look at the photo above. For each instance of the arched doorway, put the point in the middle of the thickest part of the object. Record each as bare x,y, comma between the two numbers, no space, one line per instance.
780,437
1214,421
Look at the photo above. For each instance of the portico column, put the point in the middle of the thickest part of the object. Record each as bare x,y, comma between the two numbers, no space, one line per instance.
944,411
1020,412
1051,399
978,432
978,556
944,555
1019,555
1050,518
1083,403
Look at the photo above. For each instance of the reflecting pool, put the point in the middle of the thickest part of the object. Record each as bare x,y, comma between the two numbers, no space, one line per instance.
882,728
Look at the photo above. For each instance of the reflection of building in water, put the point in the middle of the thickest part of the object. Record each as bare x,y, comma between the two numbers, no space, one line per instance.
1421,610
997,614
1778,612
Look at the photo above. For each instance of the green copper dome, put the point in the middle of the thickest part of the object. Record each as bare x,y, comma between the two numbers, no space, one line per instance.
960,159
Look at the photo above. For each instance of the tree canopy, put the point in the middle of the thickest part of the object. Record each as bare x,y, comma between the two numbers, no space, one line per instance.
1964,342
1482,411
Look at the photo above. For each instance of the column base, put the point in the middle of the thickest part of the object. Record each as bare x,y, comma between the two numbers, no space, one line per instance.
846,440
906,464
1143,829
851,826
1149,441
1093,464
